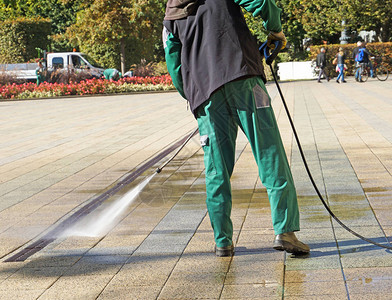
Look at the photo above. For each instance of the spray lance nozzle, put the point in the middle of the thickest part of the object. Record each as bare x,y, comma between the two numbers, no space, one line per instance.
270,57
183,142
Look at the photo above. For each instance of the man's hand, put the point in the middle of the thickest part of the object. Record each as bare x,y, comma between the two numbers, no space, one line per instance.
276,36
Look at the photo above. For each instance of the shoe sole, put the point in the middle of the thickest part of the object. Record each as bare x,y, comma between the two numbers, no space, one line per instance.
288,247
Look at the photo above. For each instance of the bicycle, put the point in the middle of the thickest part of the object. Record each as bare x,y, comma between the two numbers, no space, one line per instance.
379,69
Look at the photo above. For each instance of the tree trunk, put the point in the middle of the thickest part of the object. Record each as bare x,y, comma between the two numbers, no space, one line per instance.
122,56
386,32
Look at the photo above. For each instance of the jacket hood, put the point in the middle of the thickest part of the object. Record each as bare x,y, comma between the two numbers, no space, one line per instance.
179,9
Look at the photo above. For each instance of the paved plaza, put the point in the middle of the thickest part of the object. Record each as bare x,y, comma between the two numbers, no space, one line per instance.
61,160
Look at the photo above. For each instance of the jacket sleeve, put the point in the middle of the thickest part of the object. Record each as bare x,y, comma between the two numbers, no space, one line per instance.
172,46
266,9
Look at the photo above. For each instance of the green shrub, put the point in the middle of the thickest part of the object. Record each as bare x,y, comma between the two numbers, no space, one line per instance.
160,69
20,37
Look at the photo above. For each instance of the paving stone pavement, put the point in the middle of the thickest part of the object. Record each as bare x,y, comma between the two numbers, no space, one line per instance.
57,156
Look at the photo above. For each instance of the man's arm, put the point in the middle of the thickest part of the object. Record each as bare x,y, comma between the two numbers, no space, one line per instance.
266,9
173,46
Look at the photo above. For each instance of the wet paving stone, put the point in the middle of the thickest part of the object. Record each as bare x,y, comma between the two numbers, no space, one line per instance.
162,247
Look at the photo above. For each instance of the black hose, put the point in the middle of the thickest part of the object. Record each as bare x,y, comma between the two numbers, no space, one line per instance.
310,174
178,150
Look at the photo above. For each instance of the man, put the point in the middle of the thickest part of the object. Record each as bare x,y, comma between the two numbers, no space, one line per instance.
39,72
215,64
128,74
321,63
112,74
357,64
362,60
366,59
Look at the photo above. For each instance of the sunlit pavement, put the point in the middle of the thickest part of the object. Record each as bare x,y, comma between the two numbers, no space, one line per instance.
58,156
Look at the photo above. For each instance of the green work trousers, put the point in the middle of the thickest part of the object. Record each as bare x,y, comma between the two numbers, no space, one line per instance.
244,103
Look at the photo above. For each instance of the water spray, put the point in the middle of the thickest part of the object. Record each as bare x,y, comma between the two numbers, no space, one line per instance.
269,58
98,224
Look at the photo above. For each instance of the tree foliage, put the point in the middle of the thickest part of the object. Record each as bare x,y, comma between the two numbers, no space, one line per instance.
61,13
107,27
20,37
370,15
256,26
291,22
318,20
11,9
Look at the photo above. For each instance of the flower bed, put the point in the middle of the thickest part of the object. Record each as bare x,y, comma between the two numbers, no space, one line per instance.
87,87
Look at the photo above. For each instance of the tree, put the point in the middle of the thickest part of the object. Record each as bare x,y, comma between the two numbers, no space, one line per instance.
291,23
20,37
11,9
256,26
106,28
321,20
370,15
61,13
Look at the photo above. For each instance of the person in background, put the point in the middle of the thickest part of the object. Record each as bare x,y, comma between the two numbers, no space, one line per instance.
362,58
357,64
340,56
367,61
128,74
39,72
215,64
112,74
321,63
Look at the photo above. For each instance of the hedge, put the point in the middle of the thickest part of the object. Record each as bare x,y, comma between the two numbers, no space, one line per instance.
20,37
379,49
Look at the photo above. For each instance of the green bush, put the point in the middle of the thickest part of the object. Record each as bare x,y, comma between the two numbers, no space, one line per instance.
20,37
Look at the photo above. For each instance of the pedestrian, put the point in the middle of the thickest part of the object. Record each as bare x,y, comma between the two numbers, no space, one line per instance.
112,74
215,65
321,63
357,64
340,57
39,72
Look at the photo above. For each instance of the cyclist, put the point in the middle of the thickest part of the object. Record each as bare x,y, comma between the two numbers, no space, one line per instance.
362,60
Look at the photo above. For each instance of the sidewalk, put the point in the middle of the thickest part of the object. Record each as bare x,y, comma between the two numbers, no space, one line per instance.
58,156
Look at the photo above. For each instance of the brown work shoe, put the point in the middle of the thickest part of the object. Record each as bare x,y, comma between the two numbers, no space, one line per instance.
224,251
289,242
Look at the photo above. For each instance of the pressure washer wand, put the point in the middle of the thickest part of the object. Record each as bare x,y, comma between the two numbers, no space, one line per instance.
193,133
269,58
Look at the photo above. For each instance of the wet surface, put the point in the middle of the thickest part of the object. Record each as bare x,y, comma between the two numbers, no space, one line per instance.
162,245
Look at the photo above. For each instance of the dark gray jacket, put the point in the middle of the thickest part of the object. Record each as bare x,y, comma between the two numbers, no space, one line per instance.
321,60
217,47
